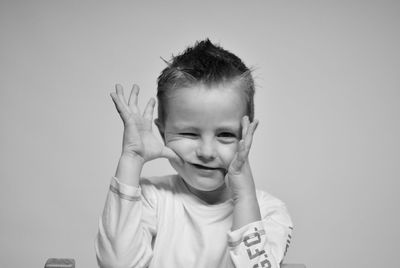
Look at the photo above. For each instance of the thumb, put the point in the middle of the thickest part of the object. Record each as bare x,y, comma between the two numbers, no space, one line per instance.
236,165
238,160
171,155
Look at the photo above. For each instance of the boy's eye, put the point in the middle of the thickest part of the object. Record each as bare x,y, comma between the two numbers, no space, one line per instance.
188,134
226,135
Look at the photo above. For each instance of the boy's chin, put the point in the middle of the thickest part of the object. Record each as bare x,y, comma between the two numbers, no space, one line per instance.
205,187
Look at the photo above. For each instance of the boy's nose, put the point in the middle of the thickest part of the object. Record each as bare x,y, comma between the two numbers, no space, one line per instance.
206,151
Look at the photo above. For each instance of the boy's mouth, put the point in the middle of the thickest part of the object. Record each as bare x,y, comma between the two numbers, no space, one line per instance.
204,167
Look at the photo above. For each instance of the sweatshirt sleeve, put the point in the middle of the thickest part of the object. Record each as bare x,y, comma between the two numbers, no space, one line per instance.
263,243
126,227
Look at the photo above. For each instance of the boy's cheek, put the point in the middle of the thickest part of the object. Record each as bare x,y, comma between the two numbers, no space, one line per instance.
228,154
186,148
180,147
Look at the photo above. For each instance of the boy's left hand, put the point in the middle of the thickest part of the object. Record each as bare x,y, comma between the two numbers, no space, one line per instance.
239,177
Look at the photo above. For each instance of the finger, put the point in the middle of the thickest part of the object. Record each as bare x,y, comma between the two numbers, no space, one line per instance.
133,97
250,133
120,93
119,90
239,159
242,152
236,165
149,110
245,145
118,105
245,125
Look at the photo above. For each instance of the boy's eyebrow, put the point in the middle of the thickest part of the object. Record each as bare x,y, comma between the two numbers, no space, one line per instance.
233,127
229,128
183,126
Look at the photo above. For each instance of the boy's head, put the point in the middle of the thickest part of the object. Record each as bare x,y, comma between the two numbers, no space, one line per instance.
203,95
205,64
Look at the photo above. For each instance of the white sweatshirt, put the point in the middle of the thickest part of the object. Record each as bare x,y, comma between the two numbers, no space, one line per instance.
161,224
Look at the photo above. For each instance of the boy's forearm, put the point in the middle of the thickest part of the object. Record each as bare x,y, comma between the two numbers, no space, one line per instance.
129,169
246,210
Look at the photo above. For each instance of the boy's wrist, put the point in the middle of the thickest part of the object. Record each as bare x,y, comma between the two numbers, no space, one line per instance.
245,197
129,169
246,210
245,191
130,156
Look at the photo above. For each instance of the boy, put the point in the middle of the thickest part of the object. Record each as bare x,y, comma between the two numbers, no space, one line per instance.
209,214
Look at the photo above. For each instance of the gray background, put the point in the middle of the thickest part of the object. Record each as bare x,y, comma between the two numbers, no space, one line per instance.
327,76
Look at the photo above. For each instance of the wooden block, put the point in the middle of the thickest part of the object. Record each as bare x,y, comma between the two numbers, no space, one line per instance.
60,263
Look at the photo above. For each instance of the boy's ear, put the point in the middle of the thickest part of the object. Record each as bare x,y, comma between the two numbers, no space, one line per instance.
160,127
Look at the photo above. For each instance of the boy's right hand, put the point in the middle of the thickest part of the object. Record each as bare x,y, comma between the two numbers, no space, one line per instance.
139,140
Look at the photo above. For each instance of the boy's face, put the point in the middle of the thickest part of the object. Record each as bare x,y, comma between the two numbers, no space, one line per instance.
203,127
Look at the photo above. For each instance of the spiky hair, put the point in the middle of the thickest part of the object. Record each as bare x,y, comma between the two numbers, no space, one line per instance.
208,64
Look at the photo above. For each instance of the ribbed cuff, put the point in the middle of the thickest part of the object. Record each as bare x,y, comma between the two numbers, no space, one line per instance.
125,191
